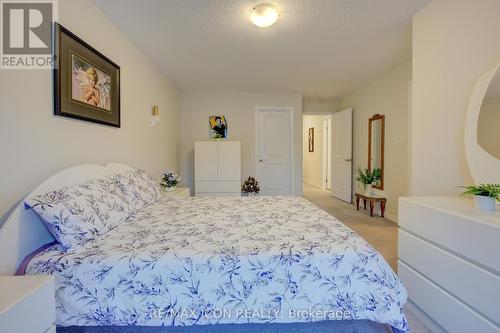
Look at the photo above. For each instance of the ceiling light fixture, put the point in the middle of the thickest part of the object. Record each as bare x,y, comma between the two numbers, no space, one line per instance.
264,15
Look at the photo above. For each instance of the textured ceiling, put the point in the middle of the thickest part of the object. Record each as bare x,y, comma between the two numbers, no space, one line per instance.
328,47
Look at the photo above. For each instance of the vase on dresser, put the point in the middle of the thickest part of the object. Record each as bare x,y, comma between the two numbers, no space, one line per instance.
487,204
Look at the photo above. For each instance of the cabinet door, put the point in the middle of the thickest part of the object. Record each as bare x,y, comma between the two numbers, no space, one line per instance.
205,161
229,161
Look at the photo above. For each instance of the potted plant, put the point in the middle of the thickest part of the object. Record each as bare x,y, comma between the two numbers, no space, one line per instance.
250,187
485,195
366,177
169,180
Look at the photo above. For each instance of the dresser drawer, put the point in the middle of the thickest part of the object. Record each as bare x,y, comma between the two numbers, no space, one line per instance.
454,224
453,315
475,286
217,187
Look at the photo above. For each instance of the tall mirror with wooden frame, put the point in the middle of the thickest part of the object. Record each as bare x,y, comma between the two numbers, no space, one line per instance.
376,138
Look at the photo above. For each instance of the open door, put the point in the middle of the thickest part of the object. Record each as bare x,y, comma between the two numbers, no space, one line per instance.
327,153
341,133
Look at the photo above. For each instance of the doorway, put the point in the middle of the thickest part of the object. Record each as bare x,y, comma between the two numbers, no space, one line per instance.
317,150
327,153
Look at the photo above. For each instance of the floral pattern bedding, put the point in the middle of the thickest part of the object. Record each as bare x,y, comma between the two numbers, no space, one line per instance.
79,213
193,261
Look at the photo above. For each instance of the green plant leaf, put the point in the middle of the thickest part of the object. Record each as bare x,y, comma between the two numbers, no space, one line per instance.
485,190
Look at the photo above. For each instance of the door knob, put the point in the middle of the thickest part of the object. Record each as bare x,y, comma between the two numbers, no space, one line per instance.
261,160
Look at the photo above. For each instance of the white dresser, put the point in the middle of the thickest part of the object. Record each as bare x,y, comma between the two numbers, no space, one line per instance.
217,168
449,261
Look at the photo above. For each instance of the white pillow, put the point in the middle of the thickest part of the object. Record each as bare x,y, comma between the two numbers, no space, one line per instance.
78,214
115,168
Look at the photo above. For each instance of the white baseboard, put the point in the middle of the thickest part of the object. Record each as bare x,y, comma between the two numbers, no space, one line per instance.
392,217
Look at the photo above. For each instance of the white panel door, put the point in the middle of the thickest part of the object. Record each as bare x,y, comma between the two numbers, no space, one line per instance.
229,161
274,150
205,161
342,155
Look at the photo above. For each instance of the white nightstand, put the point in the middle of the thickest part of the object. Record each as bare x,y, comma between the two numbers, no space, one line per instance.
179,192
27,304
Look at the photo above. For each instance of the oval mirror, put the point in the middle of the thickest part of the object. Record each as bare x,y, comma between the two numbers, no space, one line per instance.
482,129
488,126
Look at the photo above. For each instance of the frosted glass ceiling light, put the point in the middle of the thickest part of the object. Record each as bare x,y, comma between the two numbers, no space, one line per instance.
264,15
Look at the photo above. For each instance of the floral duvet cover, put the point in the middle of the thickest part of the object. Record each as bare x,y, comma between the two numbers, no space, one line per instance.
194,261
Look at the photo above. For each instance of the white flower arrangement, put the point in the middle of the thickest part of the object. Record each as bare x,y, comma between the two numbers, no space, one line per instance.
170,179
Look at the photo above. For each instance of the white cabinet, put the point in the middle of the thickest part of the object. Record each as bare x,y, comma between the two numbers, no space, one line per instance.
206,161
448,262
229,161
27,304
217,168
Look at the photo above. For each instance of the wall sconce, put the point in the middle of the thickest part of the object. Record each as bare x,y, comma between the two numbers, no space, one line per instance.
155,115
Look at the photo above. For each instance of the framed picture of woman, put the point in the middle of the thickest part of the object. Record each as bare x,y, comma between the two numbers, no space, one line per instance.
218,127
86,83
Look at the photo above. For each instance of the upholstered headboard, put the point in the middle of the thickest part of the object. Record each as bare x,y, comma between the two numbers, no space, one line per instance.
23,232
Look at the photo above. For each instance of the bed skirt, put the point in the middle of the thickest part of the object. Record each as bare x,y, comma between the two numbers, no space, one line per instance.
326,326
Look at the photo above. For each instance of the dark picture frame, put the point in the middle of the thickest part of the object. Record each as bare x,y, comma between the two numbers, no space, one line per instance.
86,82
311,140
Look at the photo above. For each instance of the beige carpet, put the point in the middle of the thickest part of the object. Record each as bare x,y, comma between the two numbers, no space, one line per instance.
379,232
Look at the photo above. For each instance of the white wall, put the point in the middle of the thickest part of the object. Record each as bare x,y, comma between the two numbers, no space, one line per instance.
319,106
34,144
488,128
387,95
313,161
454,43
239,109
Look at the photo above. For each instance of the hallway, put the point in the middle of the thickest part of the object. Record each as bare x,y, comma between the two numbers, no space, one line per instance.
379,232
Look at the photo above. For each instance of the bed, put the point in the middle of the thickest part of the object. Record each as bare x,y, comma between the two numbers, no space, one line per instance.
223,264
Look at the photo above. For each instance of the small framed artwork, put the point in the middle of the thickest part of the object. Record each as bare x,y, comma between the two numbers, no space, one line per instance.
311,139
218,127
86,83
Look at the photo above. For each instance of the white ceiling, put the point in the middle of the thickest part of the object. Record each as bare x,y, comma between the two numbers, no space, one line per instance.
328,47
